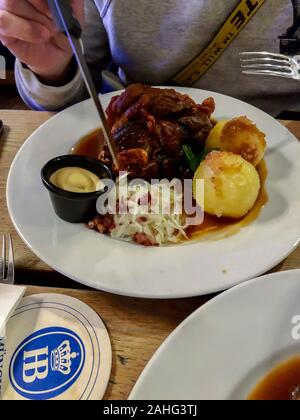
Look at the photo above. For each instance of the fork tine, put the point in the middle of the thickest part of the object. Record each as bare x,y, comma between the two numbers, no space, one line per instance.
284,69
264,54
11,264
265,60
268,73
2,260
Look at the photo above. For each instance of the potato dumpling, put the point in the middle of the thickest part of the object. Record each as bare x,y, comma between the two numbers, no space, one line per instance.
214,139
231,184
241,136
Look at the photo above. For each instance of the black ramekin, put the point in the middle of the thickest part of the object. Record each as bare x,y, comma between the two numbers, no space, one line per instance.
71,206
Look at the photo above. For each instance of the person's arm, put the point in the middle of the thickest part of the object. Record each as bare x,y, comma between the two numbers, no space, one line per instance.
41,94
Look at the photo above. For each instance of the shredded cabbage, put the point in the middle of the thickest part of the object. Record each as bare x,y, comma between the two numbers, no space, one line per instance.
165,225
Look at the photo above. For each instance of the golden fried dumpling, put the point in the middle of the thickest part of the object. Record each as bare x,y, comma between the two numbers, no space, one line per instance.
242,136
214,139
231,184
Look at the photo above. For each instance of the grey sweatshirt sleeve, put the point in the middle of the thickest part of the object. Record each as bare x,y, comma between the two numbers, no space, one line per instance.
42,97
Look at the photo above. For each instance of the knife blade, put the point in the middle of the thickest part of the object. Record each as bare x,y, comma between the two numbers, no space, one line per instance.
65,20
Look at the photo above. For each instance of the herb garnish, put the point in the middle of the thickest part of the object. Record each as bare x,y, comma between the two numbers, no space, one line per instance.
193,159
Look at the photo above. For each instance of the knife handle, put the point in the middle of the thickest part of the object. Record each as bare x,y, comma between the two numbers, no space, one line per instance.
64,17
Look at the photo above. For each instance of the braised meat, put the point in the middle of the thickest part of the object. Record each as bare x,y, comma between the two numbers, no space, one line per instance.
150,125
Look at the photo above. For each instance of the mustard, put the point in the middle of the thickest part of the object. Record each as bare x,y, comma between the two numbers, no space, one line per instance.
75,179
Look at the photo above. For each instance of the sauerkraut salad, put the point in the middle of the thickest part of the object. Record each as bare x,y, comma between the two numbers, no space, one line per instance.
150,215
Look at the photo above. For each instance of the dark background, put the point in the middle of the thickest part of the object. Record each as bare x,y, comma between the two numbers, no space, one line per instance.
9,97
8,56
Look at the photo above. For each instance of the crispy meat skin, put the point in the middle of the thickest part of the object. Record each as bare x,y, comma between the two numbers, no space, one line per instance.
150,125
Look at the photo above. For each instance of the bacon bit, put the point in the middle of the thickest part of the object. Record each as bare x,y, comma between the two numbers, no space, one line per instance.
144,240
102,224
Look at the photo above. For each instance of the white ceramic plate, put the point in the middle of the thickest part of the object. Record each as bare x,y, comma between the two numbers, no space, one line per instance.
169,272
227,346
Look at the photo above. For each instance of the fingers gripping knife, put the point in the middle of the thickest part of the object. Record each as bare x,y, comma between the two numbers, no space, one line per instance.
67,23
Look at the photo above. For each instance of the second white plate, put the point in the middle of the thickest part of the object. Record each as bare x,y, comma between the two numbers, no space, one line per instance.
227,346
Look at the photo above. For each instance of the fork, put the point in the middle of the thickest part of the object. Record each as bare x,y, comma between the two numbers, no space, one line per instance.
7,266
270,64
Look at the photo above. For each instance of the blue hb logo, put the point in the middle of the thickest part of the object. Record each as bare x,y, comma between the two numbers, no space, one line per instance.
47,363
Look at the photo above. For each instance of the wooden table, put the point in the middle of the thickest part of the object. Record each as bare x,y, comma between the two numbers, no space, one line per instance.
137,326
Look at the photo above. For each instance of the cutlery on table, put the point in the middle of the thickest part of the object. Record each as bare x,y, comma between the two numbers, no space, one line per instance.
7,266
10,295
286,64
270,64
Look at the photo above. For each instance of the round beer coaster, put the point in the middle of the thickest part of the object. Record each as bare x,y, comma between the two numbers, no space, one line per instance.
56,347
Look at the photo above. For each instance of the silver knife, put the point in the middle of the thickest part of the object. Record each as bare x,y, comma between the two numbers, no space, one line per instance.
65,20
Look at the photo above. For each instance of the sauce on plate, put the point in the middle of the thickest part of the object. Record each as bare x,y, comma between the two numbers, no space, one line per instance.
90,145
281,384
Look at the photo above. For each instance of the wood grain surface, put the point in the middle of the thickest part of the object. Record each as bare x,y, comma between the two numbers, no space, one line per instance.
18,125
137,326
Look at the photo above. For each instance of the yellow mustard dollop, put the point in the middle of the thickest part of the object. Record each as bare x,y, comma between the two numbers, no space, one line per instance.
75,179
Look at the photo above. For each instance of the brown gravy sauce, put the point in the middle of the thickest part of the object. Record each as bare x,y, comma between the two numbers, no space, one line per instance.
279,384
212,227
90,145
